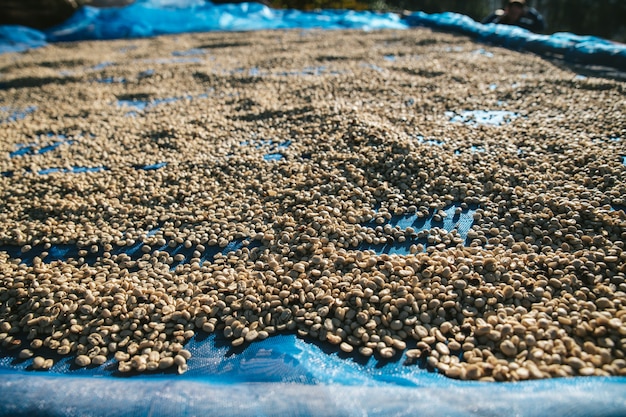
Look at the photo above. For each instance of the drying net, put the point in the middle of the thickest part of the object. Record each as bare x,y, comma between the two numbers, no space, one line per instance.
144,111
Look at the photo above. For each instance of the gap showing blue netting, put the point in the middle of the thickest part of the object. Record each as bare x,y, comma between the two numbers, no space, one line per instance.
482,117
11,114
36,148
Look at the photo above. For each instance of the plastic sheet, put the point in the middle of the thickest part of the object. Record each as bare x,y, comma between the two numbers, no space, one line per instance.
19,38
157,17
150,18
587,50
283,375
286,376
193,397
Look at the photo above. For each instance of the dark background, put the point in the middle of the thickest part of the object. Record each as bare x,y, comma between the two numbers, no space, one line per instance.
604,18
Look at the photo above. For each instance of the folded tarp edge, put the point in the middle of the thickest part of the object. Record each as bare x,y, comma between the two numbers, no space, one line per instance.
586,50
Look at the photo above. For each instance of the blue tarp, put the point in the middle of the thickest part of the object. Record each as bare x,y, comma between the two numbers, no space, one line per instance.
40,395
588,50
285,375
19,38
157,17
